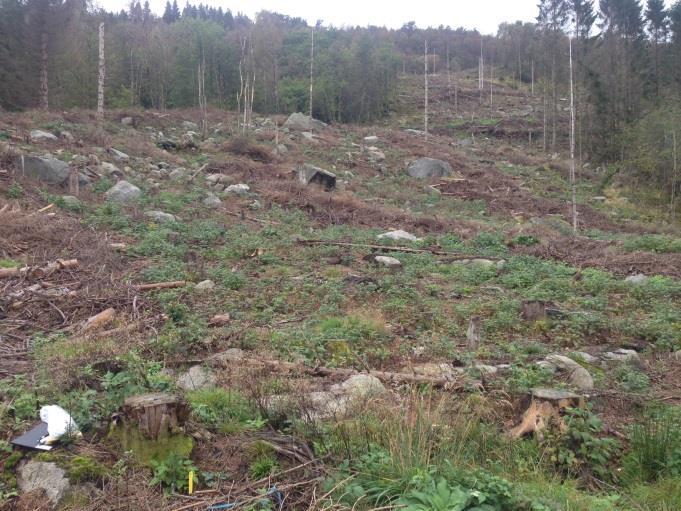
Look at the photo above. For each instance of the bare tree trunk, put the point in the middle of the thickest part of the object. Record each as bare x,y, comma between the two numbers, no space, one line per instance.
201,79
532,74
449,78
491,88
425,80
674,177
573,183
102,75
311,68
44,88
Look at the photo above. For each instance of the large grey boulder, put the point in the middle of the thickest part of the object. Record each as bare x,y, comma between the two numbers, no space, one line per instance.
197,377
311,174
44,168
123,192
424,168
578,376
40,135
39,475
302,122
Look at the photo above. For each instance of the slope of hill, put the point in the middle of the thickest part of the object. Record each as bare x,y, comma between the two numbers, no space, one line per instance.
322,364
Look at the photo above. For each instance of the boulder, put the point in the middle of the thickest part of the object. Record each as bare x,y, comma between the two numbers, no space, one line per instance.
375,155
371,139
160,217
302,122
197,377
309,137
123,192
388,262
622,355
398,235
47,476
585,357
361,386
40,135
282,149
119,155
127,121
109,169
424,168
188,125
578,376
44,168
239,189
177,174
212,200
310,174
205,285
636,279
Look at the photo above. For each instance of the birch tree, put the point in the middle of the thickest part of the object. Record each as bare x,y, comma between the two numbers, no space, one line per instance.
102,75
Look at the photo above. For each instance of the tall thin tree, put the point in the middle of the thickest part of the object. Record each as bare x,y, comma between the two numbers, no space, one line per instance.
102,75
425,88
573,183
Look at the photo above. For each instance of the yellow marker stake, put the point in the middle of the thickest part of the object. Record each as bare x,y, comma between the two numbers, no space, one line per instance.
191,482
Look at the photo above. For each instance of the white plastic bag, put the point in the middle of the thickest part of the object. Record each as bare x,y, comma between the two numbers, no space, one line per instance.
59,423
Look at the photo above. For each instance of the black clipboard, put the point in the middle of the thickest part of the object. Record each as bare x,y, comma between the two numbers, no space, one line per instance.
31,439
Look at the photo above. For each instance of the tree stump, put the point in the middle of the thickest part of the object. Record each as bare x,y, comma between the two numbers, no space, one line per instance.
156,415
547,406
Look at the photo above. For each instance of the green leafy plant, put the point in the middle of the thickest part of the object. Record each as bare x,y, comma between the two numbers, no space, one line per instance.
173,473
15,191
582,449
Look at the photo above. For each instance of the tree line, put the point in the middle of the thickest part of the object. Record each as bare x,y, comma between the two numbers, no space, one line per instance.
627,75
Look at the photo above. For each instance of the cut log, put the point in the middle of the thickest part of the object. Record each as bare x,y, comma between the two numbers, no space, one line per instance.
157,415
99,320
384,376
162,285
547,407
387,248
38,272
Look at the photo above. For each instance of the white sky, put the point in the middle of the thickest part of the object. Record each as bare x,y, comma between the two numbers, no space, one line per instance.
485,15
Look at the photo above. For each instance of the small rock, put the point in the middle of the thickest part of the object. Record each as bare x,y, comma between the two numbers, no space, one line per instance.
599,198
212,200
40,135
204,285
197,377
188,125
371,139
47,476
239,189
282,149
123,192
636,279
119,155
677,355
581,379
127,121
376,155
622,355
487,263
177,174
388,262
562,362
109,169
398,235
160,216
435,370
230,355
66,135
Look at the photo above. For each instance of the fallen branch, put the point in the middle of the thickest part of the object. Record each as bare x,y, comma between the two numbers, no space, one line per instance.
38,271
243,216
161,285
386,248
384,376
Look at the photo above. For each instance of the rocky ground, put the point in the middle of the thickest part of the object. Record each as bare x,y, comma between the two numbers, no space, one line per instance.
288,289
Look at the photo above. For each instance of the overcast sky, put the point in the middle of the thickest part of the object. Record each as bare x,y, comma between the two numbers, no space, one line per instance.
485,15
